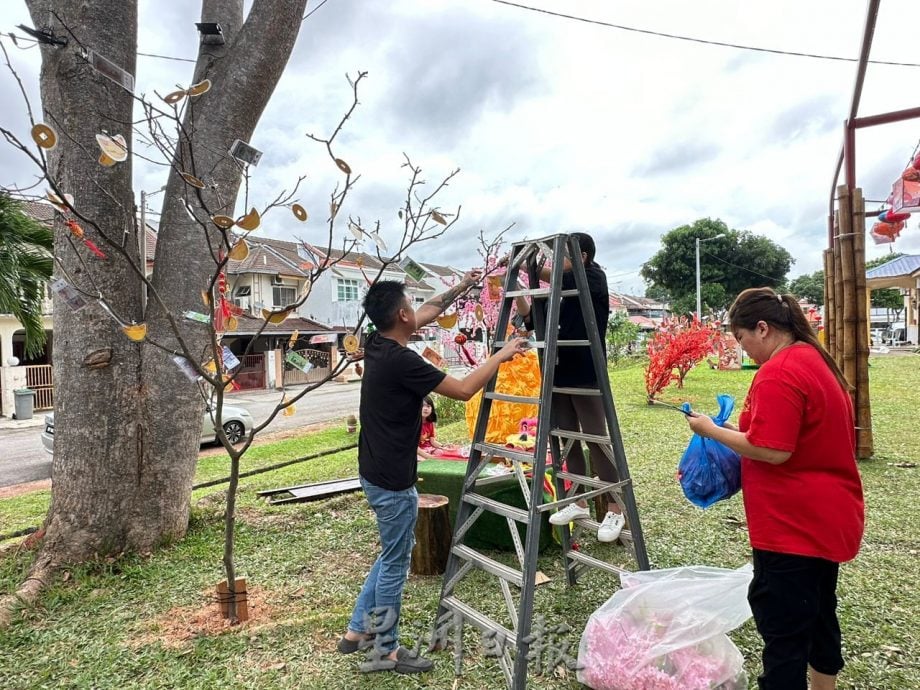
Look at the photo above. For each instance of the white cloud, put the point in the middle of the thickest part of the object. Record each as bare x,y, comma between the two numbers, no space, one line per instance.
560,125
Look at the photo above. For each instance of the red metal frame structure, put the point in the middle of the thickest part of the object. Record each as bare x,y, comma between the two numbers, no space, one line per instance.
852,123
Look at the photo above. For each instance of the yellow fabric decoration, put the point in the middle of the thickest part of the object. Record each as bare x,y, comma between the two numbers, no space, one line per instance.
520,376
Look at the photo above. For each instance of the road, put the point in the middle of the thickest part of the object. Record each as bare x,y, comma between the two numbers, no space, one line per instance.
22,458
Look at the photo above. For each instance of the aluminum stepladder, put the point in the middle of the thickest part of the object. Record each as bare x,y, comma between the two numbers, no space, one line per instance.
452,610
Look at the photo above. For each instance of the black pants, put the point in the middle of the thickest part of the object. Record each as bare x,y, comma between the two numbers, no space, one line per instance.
584,413
794,601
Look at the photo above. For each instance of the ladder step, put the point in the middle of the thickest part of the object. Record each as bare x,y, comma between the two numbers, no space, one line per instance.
498,344
579,436
479,620
593,562
577,391
594,525
502,452
498,507
513,398
538,292
591,481
515,577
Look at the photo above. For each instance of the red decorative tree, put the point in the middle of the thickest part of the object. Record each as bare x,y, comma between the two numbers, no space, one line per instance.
678,345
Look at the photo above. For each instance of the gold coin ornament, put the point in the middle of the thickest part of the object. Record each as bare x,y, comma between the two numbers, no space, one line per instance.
206,298
350,343
438,218
447,321
192,180
300,213
293,340
232,323
115,147
175,96
239,251
223,222
45,136
480,315
343,166
250,221
199,88
135,331
275,317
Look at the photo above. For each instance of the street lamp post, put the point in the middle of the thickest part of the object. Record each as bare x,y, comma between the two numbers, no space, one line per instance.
699,304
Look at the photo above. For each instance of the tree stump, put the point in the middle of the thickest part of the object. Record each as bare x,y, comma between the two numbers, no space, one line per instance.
432,536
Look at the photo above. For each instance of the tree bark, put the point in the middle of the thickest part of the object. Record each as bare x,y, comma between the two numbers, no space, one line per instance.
127,432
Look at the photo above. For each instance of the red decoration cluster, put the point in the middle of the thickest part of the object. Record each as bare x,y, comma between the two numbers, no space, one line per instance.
675,348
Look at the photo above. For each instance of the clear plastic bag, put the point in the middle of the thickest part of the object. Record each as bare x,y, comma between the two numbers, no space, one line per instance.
710,471
666,631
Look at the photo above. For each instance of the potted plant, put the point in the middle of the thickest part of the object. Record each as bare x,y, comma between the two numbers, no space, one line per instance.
351,424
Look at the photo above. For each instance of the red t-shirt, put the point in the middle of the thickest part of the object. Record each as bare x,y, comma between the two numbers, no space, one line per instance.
424,441
812,504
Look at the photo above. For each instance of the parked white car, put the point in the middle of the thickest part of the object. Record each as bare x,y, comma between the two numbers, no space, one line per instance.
237,424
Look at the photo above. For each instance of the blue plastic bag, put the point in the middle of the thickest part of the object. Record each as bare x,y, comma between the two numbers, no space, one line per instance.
710,471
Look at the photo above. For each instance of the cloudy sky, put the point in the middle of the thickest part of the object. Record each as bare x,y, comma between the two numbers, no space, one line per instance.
559,125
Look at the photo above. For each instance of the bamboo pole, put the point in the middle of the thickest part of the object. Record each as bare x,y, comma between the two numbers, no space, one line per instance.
850,308
830,337
864,440
838,295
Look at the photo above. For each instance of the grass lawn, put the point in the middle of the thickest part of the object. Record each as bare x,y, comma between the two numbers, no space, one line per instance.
136,622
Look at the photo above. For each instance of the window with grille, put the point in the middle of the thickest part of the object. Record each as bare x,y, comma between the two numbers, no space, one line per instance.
283,296
347,289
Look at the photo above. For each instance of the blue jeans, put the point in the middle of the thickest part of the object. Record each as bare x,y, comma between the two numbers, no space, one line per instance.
378,605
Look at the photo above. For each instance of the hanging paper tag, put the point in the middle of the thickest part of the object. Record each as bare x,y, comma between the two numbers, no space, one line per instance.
230,360
416,272
324,338
298,361
68,293
186,367
197,316
433,357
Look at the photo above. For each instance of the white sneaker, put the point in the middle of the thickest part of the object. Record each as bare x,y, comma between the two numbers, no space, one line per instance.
570,513
611,527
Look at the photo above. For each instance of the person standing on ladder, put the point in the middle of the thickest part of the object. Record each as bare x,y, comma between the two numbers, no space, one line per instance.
396,380
575,369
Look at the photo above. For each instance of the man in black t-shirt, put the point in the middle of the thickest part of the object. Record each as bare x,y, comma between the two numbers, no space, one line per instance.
396,380
575,369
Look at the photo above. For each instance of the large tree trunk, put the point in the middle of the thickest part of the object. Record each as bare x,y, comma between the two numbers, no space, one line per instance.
96,466
127,433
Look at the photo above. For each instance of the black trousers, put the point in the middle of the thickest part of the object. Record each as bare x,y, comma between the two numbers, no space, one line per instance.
794,601
584,413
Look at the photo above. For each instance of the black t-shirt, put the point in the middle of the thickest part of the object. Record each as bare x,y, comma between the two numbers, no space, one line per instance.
574,365
395,382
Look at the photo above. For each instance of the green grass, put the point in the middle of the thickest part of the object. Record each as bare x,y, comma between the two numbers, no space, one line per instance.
97,629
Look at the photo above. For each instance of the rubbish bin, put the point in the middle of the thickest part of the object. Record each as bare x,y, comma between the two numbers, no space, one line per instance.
25,402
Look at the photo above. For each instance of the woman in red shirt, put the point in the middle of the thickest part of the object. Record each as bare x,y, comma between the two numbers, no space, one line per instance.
802,492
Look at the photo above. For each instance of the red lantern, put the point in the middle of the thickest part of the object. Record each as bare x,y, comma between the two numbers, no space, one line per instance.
886,233
905,194
460,339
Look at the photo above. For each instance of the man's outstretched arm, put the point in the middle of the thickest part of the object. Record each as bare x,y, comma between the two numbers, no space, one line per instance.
434,307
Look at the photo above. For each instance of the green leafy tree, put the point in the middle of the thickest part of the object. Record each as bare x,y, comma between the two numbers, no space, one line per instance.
809,286
621,333
729,264
25,268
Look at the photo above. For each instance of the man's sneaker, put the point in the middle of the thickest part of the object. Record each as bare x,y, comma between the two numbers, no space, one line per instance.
570,513
611,527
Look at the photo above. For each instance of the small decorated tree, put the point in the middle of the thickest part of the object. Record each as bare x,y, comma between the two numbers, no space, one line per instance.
676,347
